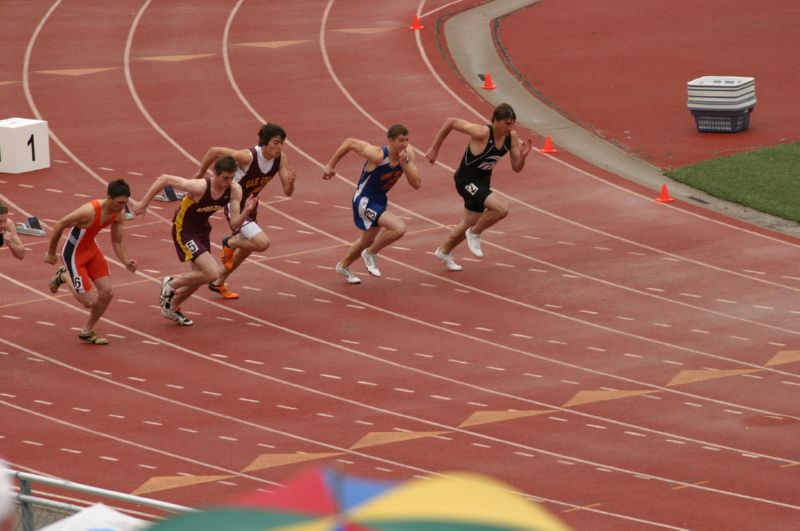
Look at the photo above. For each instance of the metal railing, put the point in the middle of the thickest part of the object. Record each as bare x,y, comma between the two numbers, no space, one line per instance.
28,502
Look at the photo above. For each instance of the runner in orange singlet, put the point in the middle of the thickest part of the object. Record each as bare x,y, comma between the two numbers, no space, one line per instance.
84,263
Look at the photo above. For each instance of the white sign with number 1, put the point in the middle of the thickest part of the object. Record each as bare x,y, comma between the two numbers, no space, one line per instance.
24,145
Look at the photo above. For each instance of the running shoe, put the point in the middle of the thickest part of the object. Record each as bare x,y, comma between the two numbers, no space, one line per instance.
178,317
91,337
447,259
57,280
348,275
372,263
227,255
223,290
474,243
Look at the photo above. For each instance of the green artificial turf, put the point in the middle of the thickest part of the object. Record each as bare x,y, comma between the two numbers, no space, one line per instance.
767,180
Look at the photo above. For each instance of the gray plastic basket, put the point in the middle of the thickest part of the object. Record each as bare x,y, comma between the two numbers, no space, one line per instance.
722,121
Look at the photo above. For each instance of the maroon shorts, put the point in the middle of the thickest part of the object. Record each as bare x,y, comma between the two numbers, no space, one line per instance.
191,244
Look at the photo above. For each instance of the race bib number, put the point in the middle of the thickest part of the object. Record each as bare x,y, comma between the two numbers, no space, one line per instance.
370,214
77,281
192,246
471,188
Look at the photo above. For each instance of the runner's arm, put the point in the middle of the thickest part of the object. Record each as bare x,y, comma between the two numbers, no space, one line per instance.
237,217
13,240
475,132
519,151
373,154
194,187
119,246
241,156
287,176
410,170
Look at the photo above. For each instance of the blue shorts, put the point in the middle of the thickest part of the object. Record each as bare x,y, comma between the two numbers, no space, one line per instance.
367,210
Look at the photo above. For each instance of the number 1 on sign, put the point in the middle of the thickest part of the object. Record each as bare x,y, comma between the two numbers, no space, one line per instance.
33,148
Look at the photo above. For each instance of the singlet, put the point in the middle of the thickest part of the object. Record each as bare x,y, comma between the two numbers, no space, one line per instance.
479,168
258,174
192,216
84,238
379,181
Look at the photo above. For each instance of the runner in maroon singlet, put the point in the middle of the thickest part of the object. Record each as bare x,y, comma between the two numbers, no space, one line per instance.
191,230
256,168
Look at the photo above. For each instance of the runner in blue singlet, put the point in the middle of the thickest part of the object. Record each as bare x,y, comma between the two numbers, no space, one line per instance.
382,169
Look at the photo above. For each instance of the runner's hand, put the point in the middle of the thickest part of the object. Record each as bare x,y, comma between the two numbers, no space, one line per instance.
525,147
431,155
251,203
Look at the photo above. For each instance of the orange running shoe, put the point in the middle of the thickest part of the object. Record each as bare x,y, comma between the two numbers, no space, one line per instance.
227,255
223,290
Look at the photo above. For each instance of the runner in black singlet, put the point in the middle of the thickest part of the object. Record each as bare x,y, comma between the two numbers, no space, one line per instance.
487,145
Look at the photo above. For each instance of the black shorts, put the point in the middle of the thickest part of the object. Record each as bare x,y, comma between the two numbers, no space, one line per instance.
474,192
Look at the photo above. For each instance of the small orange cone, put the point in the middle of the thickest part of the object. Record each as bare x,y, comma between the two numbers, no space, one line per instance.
664,196
487,83
416,24
548,146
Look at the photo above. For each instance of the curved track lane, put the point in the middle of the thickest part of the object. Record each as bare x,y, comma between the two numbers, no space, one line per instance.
675,382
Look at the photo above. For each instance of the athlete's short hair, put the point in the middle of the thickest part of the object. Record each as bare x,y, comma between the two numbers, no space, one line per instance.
395,131
118,188
224,164
503,112
268,131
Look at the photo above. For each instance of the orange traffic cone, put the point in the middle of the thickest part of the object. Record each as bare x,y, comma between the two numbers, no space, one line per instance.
664,196
548,146
416,24
487,83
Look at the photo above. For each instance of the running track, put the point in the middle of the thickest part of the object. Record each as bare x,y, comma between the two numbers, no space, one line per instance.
628,363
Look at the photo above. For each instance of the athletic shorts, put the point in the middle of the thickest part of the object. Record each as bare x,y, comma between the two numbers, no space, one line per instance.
191,244
248,230
85,266
474,192
367,211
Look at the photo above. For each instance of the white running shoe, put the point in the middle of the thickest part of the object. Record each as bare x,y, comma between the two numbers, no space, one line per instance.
348,275
178,317
447,259
474,243
372,263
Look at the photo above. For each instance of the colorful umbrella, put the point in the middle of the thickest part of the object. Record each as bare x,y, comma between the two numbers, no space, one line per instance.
321,499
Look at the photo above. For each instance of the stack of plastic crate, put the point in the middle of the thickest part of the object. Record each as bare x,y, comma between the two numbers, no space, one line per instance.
722,104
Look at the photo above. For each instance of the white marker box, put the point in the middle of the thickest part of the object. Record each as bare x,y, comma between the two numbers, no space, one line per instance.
24,145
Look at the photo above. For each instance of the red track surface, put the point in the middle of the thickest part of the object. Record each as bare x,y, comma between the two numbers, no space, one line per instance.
620,68
627,362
